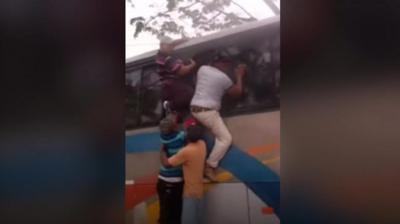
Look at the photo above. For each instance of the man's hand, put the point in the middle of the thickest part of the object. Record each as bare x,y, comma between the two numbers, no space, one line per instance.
237,89
240,70
192,62
187,69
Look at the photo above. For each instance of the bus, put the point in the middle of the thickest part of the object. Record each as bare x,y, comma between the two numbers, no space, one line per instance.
248,185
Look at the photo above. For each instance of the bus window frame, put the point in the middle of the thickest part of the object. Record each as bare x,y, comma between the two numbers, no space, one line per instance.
246,110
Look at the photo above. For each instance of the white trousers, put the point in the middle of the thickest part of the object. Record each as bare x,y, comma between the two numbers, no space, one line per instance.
223,138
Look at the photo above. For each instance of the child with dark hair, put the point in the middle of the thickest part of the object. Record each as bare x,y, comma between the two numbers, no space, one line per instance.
192,157
170,181
194,133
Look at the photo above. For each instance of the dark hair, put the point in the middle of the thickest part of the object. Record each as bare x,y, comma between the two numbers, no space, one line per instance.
194,133
220,57
168,124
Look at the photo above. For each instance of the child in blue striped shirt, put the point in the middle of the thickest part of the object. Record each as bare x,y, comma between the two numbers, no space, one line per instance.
170,180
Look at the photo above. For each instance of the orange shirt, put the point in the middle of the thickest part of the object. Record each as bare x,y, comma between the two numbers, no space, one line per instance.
192,157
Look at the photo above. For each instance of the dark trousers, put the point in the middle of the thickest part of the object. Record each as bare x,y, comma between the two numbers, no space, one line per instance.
170,198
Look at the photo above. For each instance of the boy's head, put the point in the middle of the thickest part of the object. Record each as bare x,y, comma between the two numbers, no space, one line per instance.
168,124
194,133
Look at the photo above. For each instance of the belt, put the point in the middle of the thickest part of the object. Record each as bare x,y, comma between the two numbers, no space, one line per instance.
197,109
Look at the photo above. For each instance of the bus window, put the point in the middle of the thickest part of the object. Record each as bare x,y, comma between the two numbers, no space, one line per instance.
261,85
132,84
150,105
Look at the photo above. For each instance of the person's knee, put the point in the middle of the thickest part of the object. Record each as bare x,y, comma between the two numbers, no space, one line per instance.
226,140
229,140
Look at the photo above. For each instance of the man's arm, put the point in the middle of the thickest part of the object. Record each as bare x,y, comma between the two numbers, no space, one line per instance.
237,89
186,69
177,159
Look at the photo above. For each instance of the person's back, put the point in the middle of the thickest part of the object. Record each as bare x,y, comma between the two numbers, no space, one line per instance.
211,85
192,158
195,154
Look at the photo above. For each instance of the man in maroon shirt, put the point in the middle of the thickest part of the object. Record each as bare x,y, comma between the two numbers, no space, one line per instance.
176,90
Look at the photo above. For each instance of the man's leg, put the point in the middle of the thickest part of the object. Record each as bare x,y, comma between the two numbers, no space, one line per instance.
223,138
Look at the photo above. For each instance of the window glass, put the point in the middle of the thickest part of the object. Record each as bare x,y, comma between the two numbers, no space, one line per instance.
150,97
132,86
261,84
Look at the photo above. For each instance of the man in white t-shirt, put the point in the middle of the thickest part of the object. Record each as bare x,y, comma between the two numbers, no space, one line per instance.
211,85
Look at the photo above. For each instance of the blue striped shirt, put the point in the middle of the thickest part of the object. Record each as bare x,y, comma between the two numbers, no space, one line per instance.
172,143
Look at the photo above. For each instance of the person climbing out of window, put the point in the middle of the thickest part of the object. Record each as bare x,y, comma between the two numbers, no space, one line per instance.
176,92
211,85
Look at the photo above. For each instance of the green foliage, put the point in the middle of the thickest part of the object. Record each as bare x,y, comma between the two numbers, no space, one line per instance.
171,4
203,15
139,23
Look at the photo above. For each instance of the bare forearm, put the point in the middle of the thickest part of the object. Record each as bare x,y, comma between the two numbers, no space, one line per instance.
192,65
187,69
239,84
236,90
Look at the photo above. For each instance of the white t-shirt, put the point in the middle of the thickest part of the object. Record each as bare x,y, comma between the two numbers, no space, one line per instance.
210,87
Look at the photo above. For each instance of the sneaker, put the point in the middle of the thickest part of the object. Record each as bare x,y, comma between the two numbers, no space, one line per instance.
209,173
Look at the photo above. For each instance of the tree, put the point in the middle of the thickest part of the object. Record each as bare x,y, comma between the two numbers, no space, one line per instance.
202,15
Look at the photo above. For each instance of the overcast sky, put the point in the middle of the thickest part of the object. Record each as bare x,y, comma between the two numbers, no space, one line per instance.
147,42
